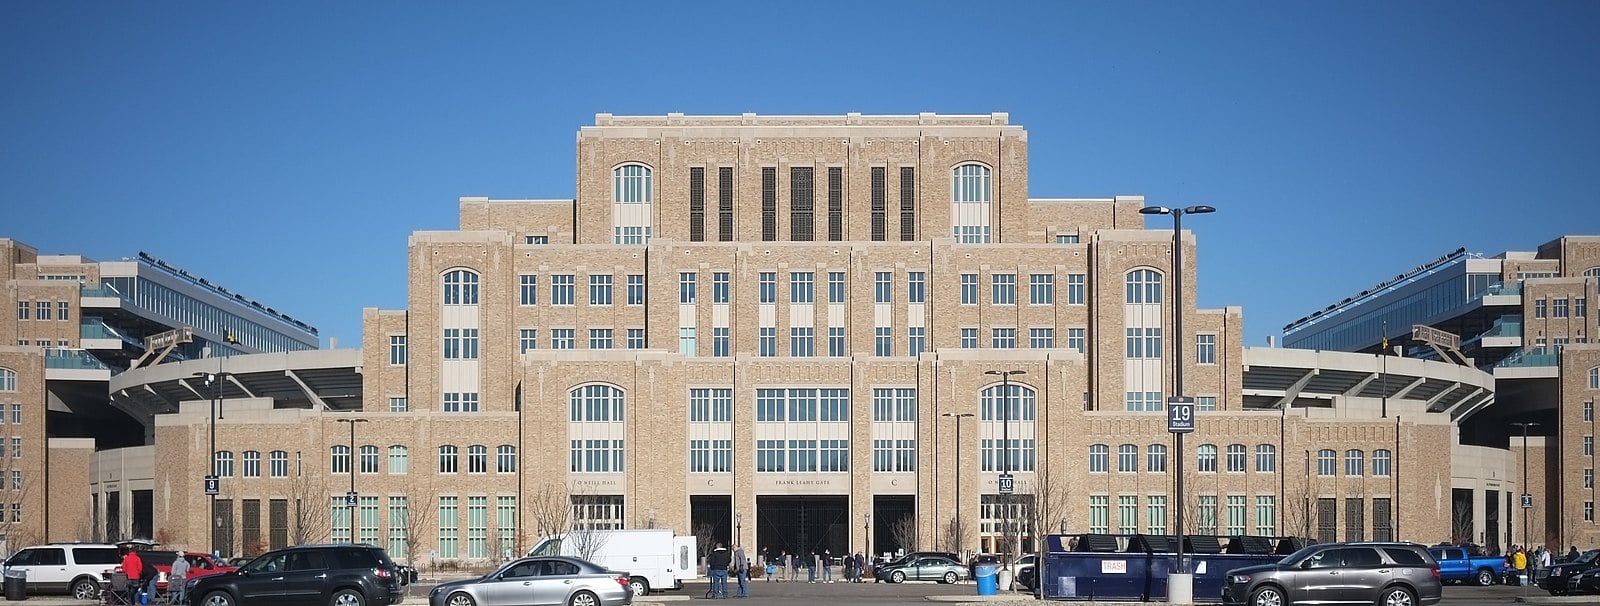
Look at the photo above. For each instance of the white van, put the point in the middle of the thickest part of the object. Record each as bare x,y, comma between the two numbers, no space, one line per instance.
654,558
65,567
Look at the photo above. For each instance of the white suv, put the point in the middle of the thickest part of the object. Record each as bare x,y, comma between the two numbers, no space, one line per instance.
65,567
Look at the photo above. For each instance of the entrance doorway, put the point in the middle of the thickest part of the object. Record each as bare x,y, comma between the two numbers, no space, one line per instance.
803,525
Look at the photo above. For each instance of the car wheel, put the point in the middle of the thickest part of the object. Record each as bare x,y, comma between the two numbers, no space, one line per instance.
583,598
949,578
459,599
85,589
639,585
898,576
1267,596
217,598
1396,596
1485,577
347,597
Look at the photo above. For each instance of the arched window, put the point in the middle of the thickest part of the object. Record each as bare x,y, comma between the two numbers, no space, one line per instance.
970,199
506,459
1354,463
596,430
279,462
1380,462
369,459
1327,462
1008,417
1266,458
1594,378
596,403
8,380
224,464
477,459
1236,457
460,287
631,197
448,462
1127,457
1206,458
1593,272
1144,287
1099,458
252,463
339,459
1156,458
399,460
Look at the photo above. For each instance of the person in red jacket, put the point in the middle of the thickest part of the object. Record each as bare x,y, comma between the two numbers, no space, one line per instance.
132,566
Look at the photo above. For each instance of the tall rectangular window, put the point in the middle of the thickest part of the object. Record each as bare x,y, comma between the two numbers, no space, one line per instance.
721,340
769,203
836,341
767,286
1075,284
42,312
686,341
1236,514
908,204
725,204
1266,458
969,338
1142,343
916,287
878,195
1355,519
449,527
636,289
1205,349
527,339
477,527
917,340
1539,308
836,287
505,523
1155,514
561,286
1099,514
686,287
710,456
1041,289
802,342
835,204
1382,524
1077,338
969,289
1267,516
397,350
1004,289
1558,308
1206,514
883,287
720,287
528,292
883,341
767,341
600,289
22,310
399,515
802,287
801,204
1127,514
697,204
635,338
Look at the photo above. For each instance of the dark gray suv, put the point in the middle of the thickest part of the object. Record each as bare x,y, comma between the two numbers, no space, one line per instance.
1386,574
307,575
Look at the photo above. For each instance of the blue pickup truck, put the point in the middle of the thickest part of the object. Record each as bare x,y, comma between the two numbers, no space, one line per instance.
1455,566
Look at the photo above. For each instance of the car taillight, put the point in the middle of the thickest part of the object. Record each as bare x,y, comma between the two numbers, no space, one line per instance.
623,581
1435,570
383,573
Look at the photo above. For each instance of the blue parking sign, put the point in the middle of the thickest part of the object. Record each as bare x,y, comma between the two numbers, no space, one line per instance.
1180,415
213,486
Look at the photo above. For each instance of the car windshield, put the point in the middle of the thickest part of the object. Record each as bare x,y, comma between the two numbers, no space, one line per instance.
1588,556
1294,558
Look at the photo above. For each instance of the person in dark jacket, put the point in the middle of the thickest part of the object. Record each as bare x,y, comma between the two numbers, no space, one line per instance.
717,564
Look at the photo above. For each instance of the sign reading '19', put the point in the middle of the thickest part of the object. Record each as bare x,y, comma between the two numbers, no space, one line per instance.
1180,415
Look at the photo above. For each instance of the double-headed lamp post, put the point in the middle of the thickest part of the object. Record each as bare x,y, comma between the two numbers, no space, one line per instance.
350,500
866,531
1527,538
738,528
1180,584
958,416
214,379
1005,459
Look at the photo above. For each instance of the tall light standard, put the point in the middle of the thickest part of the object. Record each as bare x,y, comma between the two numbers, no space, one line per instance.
866,531
1005,484
350,498
1180,585
738,528
957,416
1527,497
213,482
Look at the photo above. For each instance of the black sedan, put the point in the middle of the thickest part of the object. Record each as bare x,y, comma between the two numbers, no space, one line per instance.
1557,582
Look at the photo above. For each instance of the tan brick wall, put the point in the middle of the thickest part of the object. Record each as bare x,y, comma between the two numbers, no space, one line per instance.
30,496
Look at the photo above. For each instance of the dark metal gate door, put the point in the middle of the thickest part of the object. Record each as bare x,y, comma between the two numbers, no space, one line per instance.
804,525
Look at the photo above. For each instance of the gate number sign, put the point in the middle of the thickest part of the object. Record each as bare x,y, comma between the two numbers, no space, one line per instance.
1180,415
213,486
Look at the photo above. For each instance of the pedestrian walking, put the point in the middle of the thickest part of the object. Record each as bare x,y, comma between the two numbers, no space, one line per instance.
827,566
794,567
849,569
741,567
175,577
861,567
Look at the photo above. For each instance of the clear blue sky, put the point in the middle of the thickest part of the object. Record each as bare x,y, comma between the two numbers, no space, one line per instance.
287,149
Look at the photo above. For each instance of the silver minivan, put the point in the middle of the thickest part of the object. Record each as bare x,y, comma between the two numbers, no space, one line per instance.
1386,574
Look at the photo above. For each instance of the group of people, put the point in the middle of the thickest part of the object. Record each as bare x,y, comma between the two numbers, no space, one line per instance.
720,562
785,567
143,577
1527,565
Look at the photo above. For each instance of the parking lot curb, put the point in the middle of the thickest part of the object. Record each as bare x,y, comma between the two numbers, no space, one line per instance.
1562,599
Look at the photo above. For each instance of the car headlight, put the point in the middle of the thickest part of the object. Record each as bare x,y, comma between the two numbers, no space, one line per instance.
1238,579
435,590
189,584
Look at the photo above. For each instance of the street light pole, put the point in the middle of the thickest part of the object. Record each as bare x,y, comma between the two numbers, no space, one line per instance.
1005,460
1180,585
957,416
738,528
1526,496
215,379
866,531
350,499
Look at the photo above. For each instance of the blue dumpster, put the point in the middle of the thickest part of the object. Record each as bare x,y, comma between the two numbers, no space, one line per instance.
986,578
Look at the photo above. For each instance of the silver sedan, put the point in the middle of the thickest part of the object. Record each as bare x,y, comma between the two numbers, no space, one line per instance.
538,581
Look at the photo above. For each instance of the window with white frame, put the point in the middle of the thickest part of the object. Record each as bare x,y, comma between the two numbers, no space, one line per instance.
596,429
1127,458
1127,514
969,203
1077,338
1143,343
398,404
969,289
636,289
1042,338
802,287
894,429
449,527
1236,458
721,287
1354,462
1267,458
767,341
767,286
369,459
1205,349
460,287
1327,462
687,294
600,338
562,338
916,340
1007,424
399,460
1099,514
278,463
1099,458
883,341
1205,402
1206,458
1075,288
1155,459
632,196
1041,289
527,340
1381,463
1143,287
449,459
1003,289
836,292
460,401
600,289
561,289
802,341
338,459
1206,510
883,287
397,350
477,459
1266,515
969,338
635,338
1237,506
528,289
1155,511
1004,338
836,341
916,287
252,463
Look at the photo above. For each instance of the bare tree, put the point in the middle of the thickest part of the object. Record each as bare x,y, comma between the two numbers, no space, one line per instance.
310,515
551,511
1049,512
705,536
420,508
589,532
955,535
904,532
